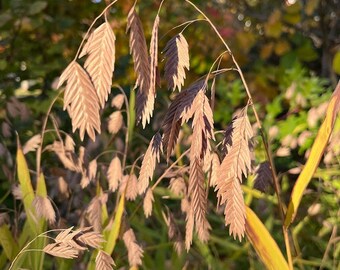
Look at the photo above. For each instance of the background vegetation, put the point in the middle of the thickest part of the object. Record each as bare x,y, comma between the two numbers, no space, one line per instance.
290,56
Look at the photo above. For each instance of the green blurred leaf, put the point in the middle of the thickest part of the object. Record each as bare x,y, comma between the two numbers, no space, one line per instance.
37,7
336,63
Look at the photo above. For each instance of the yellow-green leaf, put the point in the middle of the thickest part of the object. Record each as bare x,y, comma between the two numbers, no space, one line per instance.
26,188
41,186
263,243
8,243
112,237
316,153
336,63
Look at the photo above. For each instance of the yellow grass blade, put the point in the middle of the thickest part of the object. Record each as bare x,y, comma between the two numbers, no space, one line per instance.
26,188
263,243
313,161
41,186
112,237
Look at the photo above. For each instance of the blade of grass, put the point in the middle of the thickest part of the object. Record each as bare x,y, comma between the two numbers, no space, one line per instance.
316,153
263,243
26,187
112,236
8,242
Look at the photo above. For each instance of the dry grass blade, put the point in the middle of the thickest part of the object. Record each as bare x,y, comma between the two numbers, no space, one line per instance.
104,261
69,144
32,144
67,157
189,227
198,199
115,122
100,49
147,100
236,163
61,250
129,184
135,252
139,51
114,173
177,54
94,213
178,186
81,100
147,203
174,233
215,164
16,192
263,176
118,101
200,146
63,187
44,208
66,238
90,238
92,170
151,156
180,111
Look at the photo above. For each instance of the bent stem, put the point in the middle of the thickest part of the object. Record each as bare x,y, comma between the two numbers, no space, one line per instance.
43,131
269,156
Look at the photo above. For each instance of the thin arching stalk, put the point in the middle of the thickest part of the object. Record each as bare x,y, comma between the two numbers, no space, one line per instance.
39,150
269,156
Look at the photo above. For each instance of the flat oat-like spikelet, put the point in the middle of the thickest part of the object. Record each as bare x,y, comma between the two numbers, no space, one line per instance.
94,211
89,237
215,164
147,203
118,101
180,111
100,48
104,261
115,122
114,173
236,163
177,53
146,99
151,156
44,208
135,252
80,100
263,176
139,51
200,146
32,144
92,170
61,250
129,184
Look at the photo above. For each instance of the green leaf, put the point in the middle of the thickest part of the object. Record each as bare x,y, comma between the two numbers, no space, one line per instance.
8,243
5,18
26,188
336,63
37,7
